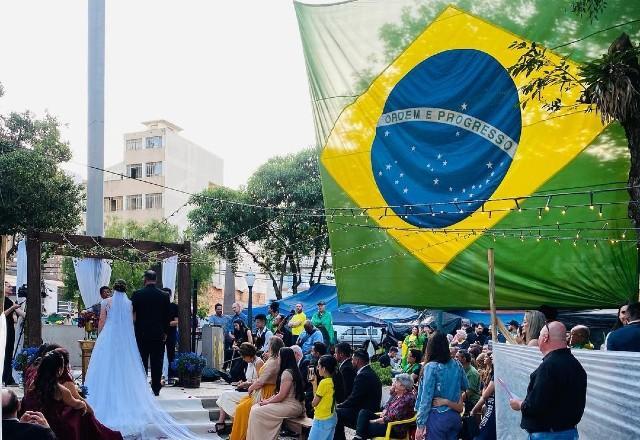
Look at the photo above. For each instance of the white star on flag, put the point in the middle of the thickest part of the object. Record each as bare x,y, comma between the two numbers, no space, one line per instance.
463,106
413,148
473,187
379,173
439,156
457,133
435,181
401,174
464,190
471,195
397,181
406,190
386,133
428,165
486,181
450,189
444,163
455,199
388,166
492,173
489,165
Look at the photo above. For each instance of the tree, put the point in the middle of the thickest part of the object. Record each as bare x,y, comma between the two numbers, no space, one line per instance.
127,263
277,239
35,194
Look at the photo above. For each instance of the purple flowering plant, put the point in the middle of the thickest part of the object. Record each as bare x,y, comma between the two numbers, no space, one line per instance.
189,363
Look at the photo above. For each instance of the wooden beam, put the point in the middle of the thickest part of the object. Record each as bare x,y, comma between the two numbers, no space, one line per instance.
33,330
91,242
492,294
184,299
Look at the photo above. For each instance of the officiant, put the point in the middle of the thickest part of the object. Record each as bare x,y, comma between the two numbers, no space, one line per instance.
105,292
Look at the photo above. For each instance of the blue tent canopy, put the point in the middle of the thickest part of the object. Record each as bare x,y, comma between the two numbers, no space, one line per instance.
329,294
350,317
484,317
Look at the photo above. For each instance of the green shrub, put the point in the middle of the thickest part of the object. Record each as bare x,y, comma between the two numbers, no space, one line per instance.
384,374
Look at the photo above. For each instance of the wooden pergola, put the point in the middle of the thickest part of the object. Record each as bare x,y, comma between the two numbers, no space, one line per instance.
100,247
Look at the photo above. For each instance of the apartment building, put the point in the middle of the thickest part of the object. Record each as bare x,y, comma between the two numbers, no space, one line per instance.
158,155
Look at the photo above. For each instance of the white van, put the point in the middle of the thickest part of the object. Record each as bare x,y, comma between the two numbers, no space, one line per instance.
357,336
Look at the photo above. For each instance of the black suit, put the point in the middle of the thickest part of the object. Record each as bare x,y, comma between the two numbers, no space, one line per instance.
151,307
348,376
366,394
15,430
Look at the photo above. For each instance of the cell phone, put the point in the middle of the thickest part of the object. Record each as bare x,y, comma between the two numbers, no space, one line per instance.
310,374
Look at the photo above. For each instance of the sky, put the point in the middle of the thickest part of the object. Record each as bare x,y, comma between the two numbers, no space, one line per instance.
230,73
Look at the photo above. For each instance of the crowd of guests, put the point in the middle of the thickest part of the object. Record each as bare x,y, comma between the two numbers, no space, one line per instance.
52,406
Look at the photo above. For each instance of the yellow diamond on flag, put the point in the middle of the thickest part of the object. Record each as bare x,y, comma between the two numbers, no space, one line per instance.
439,139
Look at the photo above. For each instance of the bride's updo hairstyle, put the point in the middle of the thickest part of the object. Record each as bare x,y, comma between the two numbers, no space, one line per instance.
120,286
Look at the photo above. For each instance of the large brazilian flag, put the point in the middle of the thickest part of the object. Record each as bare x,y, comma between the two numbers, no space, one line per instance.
429,157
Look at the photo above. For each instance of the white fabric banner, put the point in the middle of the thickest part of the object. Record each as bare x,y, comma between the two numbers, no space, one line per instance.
21,269
613,387
91,273
169,273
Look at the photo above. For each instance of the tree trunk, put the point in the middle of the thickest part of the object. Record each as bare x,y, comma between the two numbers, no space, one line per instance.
276,288
283,269
312,275
323,265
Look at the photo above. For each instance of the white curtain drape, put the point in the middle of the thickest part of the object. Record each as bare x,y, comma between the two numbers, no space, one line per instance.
3,342
613,384
91,273
169,273
21,270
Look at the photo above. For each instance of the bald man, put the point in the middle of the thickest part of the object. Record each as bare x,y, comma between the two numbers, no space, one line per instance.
31,426
557,389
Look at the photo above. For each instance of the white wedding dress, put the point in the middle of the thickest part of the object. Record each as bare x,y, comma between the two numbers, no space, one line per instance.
119,391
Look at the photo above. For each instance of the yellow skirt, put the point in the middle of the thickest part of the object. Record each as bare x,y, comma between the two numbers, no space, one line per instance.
241,417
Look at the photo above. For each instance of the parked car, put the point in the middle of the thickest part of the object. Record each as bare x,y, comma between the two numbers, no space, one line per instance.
358,336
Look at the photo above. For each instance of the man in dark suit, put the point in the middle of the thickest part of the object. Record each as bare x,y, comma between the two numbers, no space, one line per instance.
151,314
627,338
366,394
343,356
32,425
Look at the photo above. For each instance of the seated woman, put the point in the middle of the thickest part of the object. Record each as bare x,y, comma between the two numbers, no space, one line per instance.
262,388
413,364
32,366
266,417
66,380
400,406
228,400
66,415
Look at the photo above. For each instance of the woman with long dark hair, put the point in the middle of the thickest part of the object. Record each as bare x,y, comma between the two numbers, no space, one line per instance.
488,417
32,366
67,416
441,377
622,319
288,402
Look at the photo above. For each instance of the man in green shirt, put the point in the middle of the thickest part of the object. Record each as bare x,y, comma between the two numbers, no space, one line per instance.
471,394
323,322
274,310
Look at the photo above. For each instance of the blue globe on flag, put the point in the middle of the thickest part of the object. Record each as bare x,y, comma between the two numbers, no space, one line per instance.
447,137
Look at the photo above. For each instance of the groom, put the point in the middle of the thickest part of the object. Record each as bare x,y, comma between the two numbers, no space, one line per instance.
151,316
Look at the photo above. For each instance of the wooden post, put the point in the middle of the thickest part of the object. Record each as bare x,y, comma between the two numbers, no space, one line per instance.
33,331
194,326
3,267
184,298
492,295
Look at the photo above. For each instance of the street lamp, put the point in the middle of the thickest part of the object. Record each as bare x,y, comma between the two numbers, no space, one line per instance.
250,277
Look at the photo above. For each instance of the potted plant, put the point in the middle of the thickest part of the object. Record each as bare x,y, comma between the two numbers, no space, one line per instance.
189,367
89,321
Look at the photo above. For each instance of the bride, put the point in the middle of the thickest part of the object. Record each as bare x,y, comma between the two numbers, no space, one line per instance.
119,392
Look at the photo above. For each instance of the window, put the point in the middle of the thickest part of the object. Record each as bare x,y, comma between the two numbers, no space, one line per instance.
154,142
153,201
134,144
134,170
112,204
154,169
134,202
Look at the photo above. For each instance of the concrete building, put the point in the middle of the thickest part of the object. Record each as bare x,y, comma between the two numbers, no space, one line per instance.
158,154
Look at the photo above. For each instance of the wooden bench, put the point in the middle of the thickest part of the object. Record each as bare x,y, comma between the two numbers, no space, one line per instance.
301,426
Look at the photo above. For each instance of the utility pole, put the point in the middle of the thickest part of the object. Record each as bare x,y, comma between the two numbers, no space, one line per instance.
95,118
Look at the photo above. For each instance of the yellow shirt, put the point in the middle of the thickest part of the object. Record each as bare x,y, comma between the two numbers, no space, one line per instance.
325,408
297,323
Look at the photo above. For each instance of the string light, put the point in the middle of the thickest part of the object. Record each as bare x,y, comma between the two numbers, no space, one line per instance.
591,200
600,211
546,206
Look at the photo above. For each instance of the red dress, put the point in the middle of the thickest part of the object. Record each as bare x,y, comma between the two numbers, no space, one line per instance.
68,423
